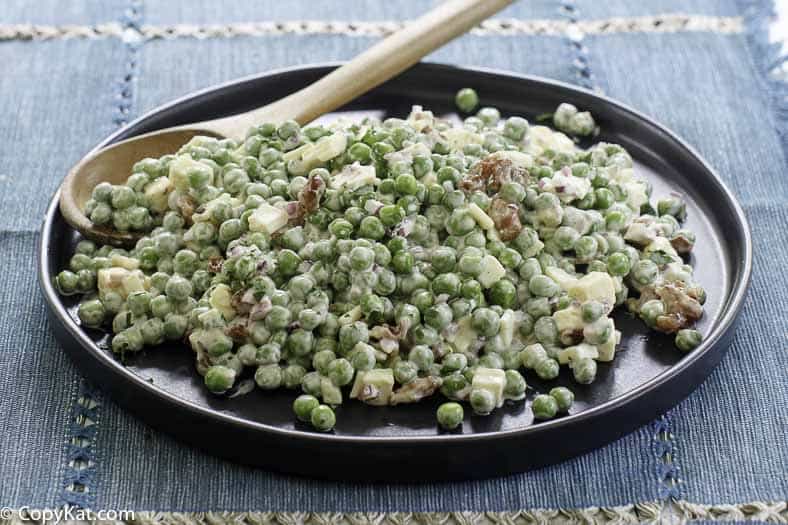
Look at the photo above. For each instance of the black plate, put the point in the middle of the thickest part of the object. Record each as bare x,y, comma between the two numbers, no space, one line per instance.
647,377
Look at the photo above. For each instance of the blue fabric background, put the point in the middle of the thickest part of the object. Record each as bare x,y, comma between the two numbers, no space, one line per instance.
59,97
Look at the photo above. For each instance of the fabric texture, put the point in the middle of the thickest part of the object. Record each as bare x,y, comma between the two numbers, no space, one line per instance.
721,454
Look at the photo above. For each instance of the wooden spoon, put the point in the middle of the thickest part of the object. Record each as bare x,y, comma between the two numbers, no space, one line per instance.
373,67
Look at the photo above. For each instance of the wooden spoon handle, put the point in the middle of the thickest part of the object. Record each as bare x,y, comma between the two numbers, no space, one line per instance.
369,69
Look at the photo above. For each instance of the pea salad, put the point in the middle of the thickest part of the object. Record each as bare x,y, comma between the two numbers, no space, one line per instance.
391,261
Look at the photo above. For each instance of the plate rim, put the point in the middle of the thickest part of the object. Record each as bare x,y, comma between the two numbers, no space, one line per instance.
729,314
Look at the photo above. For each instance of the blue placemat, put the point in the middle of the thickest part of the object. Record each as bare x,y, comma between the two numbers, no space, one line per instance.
74,71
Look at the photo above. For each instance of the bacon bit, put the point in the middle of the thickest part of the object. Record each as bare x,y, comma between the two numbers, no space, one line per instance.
571,337
490,173
506,218
681,243
260,309
293,211
682,305
308,199
416,390
215,264
187,205
384,331
369,393
238,303
248,297
236,331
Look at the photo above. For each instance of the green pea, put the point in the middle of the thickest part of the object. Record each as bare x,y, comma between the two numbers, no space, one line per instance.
351,334
482,401
618,264
564,398
515,385
486,321
268,377
66,282
421,356
363,357
591,311
152,331
672,205
323,418
460,222
466,100
91,313
544,407
503,293
645,272
542,286
586,247
687,339
512,192
304,405
545,330
450,415
470,264
515,128
361,258
446,283
547,368
391,215
219,379
122,197
405,371
584,371
438,316
406,184
489,115
471,289
340,371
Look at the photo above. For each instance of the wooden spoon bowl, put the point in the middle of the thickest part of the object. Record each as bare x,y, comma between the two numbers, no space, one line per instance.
370,69
113,164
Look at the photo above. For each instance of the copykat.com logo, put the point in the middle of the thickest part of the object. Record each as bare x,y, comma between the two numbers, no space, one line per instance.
64,514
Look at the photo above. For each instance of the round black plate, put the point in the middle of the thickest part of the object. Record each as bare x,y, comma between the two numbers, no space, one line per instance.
647,377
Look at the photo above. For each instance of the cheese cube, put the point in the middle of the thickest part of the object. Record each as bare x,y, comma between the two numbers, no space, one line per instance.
353,177
607,350
595,286
330,392
351,316
506,330
517,158
569,319
662,244
563,278
458,138
492,380
482,219
581,351
221,298
329,147
374,386
465,335
636,194
492,271
267,219
124,262
180,168
109,279
133,282
157,193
